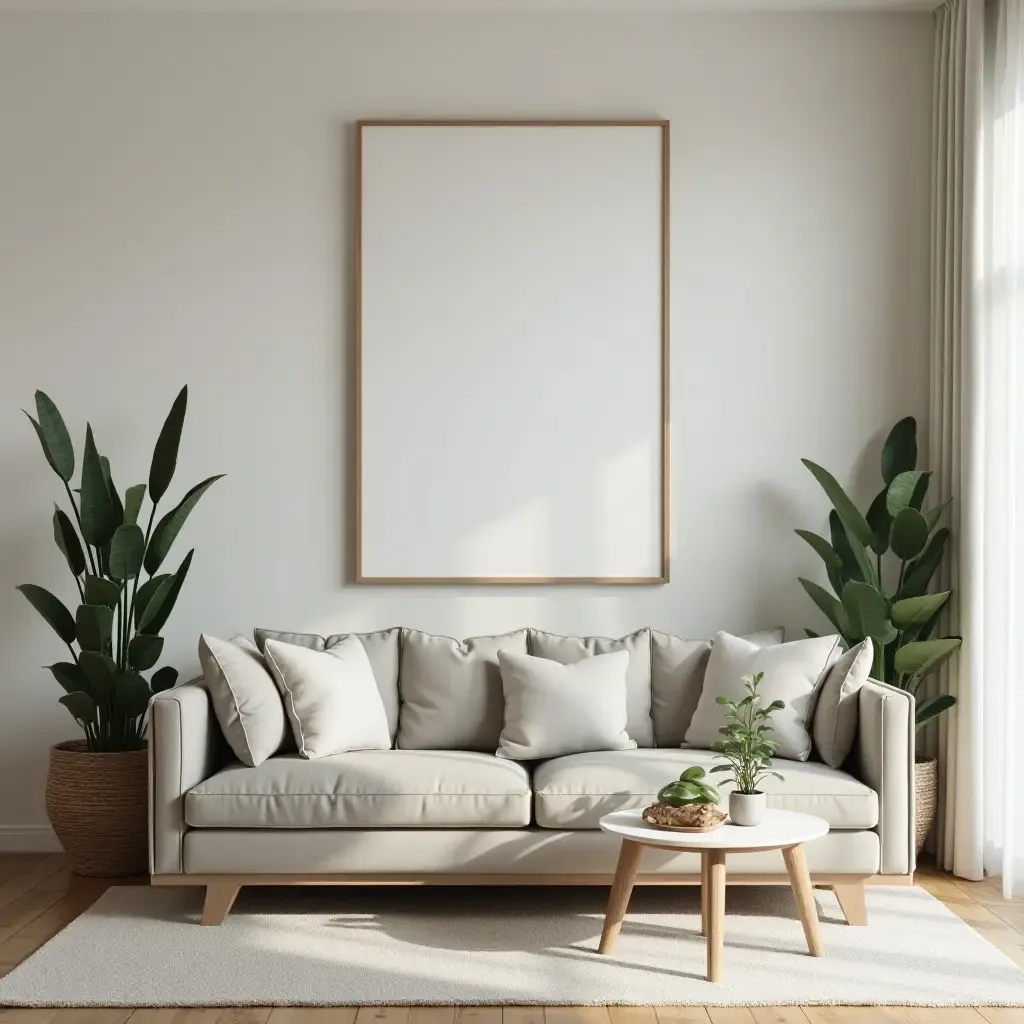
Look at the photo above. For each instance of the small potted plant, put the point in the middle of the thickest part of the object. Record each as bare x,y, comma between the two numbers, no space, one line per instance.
747,751
687,803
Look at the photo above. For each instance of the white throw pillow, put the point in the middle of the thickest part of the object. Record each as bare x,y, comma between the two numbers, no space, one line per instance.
838,712
331,697
793,673
245,699
553,709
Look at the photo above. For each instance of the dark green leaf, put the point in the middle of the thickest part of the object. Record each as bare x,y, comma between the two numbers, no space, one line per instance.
721,768
98,516
93,626
55,438
853,563
162,604
52,609
866,612
829,605
902,491
132,694
917,498
101,591
70,677
934,515
144,651
909,534
932,707
133,503
920,573
165,453
913,612
880,521
127,547
67,540
101,672
145,595
899,453
850,516
811,634
923,657
81,706
822,548
169,526
164,678
115,498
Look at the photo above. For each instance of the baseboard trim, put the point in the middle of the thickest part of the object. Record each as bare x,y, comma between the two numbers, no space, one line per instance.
28,839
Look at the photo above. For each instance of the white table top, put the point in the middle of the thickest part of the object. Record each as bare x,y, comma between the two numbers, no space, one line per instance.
779,828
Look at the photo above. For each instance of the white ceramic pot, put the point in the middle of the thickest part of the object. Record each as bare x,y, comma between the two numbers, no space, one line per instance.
746,808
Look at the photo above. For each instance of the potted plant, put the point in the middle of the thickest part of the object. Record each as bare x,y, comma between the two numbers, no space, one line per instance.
96,786
880,564
747,751
687,803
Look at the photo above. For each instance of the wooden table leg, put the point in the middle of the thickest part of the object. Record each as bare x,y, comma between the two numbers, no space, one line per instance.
716,912
800,880
618,900
705,892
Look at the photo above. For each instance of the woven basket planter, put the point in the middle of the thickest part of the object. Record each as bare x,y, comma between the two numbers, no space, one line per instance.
97,806
926,791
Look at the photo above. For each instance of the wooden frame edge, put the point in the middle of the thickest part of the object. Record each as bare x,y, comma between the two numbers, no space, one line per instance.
665,398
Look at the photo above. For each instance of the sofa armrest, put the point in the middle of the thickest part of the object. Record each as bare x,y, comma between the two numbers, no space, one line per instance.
185,747
885,762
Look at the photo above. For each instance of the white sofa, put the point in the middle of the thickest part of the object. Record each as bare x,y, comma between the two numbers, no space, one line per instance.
463,816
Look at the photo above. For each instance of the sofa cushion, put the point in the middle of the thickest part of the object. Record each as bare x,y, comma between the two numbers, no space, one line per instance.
677,677
452,697
382,648
365,789
577,791
837,713
567,649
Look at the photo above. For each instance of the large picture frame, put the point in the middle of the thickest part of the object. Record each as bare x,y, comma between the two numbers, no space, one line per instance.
512,351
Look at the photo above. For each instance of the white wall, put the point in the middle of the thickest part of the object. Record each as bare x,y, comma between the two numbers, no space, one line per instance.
176,206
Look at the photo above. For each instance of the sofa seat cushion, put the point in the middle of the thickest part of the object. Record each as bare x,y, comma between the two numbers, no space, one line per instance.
578,790
365,789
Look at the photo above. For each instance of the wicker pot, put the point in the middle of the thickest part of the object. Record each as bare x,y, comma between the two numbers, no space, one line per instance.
97,806
926,788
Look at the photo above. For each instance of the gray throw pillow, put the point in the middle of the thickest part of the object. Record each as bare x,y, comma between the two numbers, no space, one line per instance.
553,709
451,692
838,712
569,649
245,700
793,672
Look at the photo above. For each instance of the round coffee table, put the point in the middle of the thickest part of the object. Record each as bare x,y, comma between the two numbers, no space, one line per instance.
780,830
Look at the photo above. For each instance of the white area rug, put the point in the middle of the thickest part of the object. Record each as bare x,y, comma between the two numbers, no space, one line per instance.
310,947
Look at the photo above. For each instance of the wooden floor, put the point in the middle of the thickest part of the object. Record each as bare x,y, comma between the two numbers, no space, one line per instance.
39,896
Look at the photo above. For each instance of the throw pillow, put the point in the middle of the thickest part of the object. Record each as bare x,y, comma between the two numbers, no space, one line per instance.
245,699
677,676
837,714
330,696
553,709
451,692
793,673
567,649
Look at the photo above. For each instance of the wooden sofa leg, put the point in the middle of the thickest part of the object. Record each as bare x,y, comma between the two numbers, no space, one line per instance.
851,901
220,896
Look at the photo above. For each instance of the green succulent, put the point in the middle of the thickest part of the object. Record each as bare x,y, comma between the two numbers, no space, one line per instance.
880,565
114,635
688,789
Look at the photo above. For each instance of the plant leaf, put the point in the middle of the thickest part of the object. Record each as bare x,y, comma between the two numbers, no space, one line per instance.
866,612
909,534
853,565
101,591
100,670
168,527
880,522
165,452
98,518
911,612
81,706
52,609
899,453
932,707
127,547
144,651
162,603
922,657
133,503
115,498
920,573
934,515
822,548
71,678
830,606
93,626
850,516
903,489
132,694
164,678
54,436
145,595
67,540
696,772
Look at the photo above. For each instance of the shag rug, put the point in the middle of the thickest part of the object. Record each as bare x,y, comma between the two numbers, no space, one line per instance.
395,946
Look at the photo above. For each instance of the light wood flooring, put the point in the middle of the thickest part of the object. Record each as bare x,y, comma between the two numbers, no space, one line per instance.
39,896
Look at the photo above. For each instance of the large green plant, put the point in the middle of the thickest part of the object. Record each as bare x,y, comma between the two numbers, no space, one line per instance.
114,636
746,749
880,565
